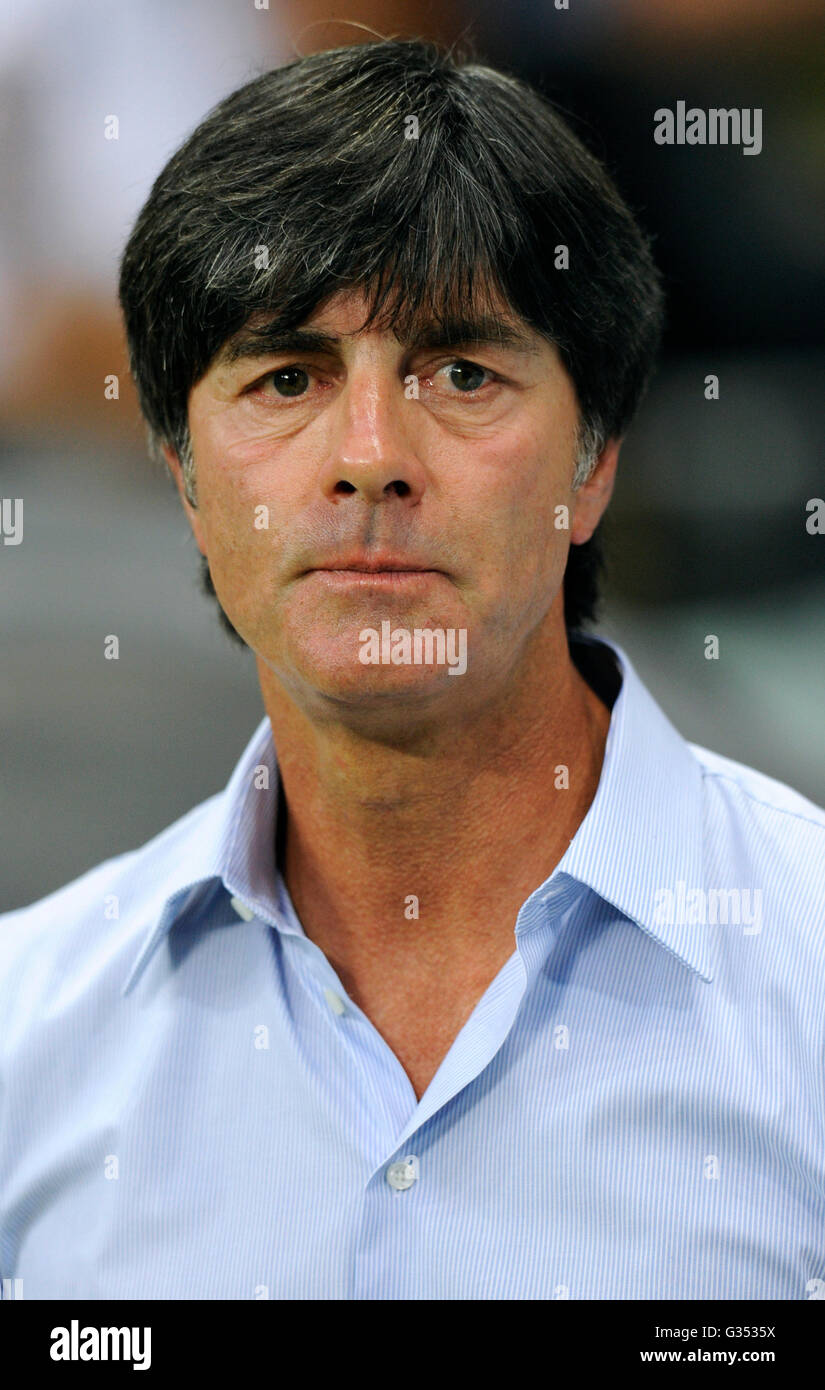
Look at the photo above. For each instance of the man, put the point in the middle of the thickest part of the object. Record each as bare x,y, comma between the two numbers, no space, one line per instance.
477,981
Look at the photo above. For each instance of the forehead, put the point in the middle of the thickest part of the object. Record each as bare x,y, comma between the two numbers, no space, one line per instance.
490,322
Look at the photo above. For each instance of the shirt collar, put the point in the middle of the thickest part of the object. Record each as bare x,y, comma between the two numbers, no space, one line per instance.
644,830
229,838
642,833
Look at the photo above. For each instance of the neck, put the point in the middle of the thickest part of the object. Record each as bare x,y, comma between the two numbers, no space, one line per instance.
464,824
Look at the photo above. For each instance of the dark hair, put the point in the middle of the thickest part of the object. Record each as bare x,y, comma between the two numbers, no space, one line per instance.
312,160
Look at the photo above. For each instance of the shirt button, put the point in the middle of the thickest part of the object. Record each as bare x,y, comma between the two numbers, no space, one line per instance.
335,1001
403,1174
242,909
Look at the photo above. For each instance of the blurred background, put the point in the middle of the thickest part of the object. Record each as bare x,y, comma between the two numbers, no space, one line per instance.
707,530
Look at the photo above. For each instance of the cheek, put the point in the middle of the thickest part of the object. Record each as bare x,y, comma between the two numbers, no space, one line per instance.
527,538
235,492
242,543
533,504
234,524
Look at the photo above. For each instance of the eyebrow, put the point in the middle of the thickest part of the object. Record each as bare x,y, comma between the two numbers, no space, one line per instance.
485,330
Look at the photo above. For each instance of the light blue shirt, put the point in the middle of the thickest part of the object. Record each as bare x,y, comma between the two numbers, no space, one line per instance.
191,1106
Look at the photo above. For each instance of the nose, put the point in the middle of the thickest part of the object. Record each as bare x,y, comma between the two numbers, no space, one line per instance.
371,452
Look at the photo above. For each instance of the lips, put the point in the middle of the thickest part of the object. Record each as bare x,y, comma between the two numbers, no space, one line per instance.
370,575
377,564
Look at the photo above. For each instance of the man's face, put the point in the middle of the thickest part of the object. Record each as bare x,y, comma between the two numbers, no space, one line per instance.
355,480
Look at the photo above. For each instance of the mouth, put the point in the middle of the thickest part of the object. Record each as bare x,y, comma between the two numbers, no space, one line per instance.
374,564
388,571
372,577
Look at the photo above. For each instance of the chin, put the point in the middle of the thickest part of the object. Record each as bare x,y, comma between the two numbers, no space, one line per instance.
348,690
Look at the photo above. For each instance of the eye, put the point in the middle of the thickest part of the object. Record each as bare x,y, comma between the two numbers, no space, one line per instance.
288,381
465,376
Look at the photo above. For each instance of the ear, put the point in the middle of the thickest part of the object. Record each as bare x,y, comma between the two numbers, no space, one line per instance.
193,516
591,499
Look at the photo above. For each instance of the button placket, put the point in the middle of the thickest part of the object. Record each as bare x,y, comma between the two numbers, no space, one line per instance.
403,1173
335,1001
242,910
